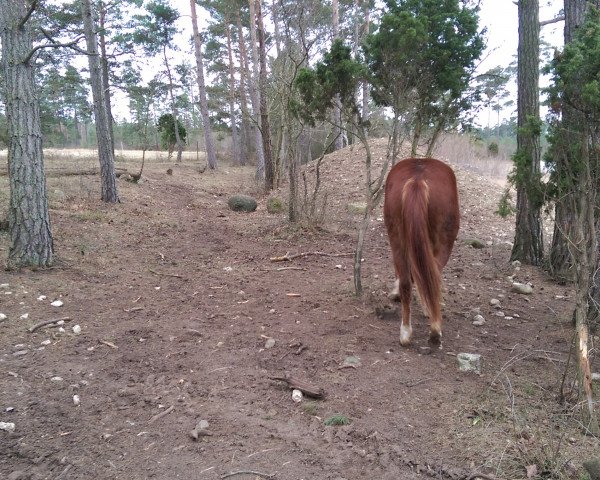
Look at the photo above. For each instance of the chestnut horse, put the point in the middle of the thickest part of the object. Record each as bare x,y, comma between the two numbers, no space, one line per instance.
422,219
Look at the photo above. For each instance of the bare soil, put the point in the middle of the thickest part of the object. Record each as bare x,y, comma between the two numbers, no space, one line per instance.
177,297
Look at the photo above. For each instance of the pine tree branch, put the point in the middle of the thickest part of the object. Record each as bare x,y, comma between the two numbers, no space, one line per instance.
27,16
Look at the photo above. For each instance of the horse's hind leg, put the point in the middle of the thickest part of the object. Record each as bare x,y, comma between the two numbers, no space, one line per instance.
405,290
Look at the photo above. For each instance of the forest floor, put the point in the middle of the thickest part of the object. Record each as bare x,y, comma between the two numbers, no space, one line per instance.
184,318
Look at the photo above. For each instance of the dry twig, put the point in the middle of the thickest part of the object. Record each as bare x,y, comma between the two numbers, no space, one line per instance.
165,274
304,387
249,472
160,415
289,257
48,322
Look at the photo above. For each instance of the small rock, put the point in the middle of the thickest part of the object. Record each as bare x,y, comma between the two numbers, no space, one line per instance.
41,298
7,426
76,329
494,302
469,362
242,203
57,303
56,379
296,396
46,342
4,285
522,288
357,207
270,343
20,353
499,313
475,243
76,400
200,430
516,263
25,316
595,377
351,361
2,317
478,320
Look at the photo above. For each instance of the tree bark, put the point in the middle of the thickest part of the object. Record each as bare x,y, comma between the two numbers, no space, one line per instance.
105,152
337,110
528,246
244,85
234,131
264,109
105,69
211,154
31,243
255,96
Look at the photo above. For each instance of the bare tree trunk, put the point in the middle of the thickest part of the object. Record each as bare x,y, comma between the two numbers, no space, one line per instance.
274,10
260,154
105,76
264,110
528,246
209,143
178,141
244,75
365,85
337,110
31,242
105,151
234,131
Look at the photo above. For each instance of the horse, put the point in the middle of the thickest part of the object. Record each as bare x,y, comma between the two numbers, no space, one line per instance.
422,218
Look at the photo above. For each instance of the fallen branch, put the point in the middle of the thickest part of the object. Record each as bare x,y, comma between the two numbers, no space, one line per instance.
48,322
249,472
304,387
165,274
289,257
68,172
281,269
160,415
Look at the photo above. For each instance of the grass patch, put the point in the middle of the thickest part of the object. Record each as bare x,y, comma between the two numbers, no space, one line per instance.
337,419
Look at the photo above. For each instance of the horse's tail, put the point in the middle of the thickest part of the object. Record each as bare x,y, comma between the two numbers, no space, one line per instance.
424,268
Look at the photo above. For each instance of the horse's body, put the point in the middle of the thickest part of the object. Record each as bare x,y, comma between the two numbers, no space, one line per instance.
422,218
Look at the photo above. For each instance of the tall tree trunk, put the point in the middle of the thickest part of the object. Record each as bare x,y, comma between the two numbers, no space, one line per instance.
105,76
528,246
337,110
264,109
244,86
211,154
29,230
275,15
561,261
234,131
105,152
255,97
365,85
174,111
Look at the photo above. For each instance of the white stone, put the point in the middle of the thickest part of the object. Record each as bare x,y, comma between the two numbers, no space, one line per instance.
76,329
522,288
469,362
478,320
41,298
76,400
494,302
57,303
296,396
270,343
2,317
46,342
7,426
25,316
56,379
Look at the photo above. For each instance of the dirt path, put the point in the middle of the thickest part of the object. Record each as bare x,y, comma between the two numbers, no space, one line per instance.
176,298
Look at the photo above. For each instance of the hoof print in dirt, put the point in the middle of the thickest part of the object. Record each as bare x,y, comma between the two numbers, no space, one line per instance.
274,205
475,243
241,203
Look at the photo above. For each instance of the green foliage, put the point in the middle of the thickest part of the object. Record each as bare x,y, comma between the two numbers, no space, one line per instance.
166,127
493,149
337,420
505,206
338,75
575,138
422,56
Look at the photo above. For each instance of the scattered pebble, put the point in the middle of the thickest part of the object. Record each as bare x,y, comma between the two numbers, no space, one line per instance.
76,329
270,343
20,353
478,320
76,400
494,302
499,313
46,342
522,288
56,379
57,303
25,316
42,298
3,317
296,396
61,330
200,430
469,362
4,285
7,426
